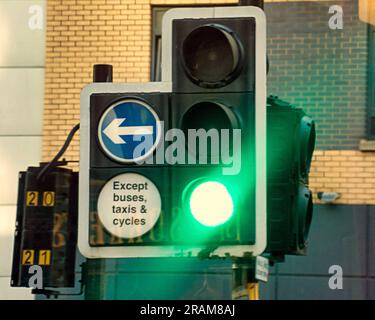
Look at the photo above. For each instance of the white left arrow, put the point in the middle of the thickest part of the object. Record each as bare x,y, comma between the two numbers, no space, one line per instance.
114,131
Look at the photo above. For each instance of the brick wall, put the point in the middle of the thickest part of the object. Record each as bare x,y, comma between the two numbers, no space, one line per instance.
322,70
81,33
348,172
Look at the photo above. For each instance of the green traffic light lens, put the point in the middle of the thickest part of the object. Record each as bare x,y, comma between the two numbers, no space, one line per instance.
211,203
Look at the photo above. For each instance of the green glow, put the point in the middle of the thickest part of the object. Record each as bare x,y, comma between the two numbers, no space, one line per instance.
211,204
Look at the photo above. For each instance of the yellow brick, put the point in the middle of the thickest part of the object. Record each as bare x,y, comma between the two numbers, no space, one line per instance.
332,185
358,158
332,164
355,180
363,174
341,158
323,158
318,152
365,185
350,185
349,152
331,174
349,164
348,174
341,169
365,196
354,169
314,174
354,201
356,190
332,153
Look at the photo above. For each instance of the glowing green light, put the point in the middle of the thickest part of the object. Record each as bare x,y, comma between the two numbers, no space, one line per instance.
211,204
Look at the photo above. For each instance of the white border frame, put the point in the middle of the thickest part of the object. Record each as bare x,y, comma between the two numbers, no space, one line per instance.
166,86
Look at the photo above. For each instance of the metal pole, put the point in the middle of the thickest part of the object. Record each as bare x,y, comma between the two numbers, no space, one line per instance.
256,3
102,73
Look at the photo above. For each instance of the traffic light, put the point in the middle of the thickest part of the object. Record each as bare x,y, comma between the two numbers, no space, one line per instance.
291,141
175,167
46,227
215,193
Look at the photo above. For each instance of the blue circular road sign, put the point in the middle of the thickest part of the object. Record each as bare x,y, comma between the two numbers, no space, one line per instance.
129,131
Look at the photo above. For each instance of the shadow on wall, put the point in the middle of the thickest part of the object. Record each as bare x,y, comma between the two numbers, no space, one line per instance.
340,235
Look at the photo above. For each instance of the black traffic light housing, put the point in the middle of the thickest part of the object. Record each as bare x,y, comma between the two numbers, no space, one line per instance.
46,227
208,83
291,141
213,81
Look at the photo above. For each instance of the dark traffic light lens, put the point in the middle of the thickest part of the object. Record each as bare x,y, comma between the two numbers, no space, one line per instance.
211,56
211,118
208,115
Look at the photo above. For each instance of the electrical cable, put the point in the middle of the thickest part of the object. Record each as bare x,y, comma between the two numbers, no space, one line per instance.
53,162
